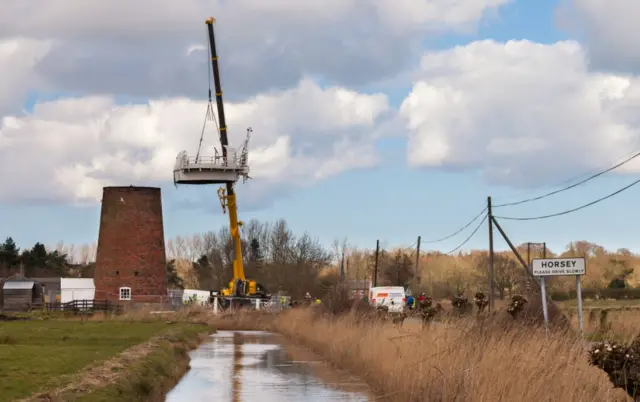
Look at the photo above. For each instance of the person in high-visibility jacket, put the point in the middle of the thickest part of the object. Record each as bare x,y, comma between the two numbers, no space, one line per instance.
318,301
411,301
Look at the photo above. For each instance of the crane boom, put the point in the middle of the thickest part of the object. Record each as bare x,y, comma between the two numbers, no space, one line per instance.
230,197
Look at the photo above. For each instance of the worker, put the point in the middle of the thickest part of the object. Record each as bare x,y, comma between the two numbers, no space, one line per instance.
411,302
318,301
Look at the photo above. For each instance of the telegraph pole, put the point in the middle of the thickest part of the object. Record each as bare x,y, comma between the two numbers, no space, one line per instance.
544,255
375,269
418,262
491,284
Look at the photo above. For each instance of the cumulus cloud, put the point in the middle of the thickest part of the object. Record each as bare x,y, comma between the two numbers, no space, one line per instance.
520,111
18,57
151,50
608,28
66,150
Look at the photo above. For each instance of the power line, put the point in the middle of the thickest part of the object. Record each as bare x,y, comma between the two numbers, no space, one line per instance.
566,181
574,209
470,236
457,231
632,157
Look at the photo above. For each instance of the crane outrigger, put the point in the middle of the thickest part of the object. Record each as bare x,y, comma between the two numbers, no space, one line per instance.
225,168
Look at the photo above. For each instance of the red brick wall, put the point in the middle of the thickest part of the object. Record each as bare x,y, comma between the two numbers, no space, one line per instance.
131,250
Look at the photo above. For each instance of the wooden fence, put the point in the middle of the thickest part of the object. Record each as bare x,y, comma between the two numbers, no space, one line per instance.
86,306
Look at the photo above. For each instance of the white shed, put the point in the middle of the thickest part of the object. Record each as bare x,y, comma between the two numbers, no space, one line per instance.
199,296
76,289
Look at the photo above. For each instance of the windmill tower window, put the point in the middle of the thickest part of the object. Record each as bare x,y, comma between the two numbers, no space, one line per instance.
125,293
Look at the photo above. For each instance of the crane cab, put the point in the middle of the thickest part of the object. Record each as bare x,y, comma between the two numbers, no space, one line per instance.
246,288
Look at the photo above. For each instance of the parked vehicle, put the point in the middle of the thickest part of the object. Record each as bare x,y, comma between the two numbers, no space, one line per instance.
391,298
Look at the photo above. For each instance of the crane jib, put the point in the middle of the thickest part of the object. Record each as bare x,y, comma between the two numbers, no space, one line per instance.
224,140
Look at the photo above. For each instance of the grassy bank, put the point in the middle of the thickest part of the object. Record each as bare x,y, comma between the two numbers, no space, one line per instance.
461,361
92,360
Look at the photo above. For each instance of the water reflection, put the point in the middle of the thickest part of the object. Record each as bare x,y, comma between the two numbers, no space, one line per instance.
245,366
238,341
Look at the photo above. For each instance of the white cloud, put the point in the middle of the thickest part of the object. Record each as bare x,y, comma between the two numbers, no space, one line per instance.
66,150
18,57
149,49
609,30
521,111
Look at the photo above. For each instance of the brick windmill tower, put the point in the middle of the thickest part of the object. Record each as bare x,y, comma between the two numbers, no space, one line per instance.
131,260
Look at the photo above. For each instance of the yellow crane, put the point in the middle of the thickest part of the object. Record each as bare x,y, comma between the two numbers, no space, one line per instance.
226,168
239,285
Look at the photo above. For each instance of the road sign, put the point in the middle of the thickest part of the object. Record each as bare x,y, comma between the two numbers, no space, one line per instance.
558,266
543,267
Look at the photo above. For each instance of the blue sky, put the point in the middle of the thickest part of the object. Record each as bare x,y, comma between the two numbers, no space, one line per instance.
391,202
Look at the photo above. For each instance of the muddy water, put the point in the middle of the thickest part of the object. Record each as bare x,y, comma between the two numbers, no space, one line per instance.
247,366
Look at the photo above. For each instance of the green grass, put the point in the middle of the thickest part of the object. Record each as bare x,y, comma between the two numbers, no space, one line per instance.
40,355
151,378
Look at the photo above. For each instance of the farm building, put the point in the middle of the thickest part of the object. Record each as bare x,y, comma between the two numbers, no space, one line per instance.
195,296
64,290
77,289
359,288
51,289
21,294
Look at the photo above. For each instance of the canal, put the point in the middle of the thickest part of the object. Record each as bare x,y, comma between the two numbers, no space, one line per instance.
247,366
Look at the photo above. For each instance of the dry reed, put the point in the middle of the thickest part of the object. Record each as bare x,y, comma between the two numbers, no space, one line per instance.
466,359
470,360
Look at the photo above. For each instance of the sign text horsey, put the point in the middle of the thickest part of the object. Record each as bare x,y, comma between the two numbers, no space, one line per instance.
558,266
543,267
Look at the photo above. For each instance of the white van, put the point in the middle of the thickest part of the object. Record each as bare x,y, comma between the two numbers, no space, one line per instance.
391,296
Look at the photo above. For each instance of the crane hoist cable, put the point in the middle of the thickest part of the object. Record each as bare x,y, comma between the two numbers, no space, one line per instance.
210,114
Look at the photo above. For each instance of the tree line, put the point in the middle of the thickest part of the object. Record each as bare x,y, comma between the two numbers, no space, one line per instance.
280,260
35,261
296,263
273,255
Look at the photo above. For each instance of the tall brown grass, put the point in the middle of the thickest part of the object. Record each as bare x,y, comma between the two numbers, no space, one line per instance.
465,359
621,324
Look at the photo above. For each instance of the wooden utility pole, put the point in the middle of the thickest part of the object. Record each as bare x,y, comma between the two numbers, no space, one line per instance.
375,269
418,262
491,281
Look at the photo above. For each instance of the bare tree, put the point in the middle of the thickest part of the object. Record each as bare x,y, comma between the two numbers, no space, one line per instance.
83,254
399,271
358,264
170,249
340,249
69,250
194,246
93,251
506,274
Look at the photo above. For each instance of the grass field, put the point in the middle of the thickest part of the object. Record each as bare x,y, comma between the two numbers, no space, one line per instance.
41,355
